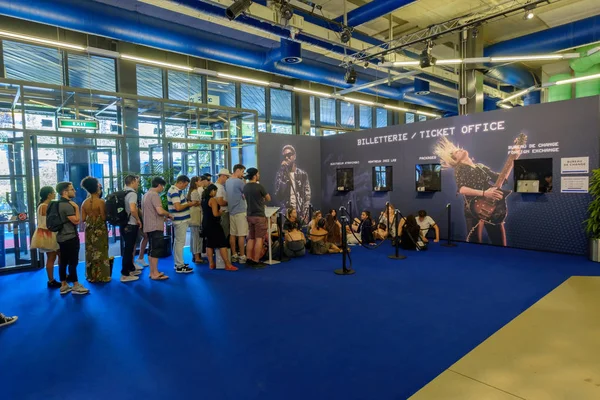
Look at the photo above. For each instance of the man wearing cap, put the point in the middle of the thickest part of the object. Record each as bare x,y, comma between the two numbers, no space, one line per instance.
238,223
256,196
208,176
292,187
221,198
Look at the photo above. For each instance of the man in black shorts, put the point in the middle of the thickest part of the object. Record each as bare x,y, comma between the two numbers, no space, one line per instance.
154,225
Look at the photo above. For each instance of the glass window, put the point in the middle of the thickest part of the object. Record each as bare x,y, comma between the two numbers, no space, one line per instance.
221,93
382,117
312,110
380,178
313,131
149,81
253,98
347,118
366,117
92,72
422,118
32,63
329,132
409,118
184,86
327,111
281,105
282,128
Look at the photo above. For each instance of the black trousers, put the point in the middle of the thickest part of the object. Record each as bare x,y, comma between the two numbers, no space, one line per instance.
129,233
69,256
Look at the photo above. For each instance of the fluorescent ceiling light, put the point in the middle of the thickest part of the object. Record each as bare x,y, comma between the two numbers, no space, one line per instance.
42,103
405,63
580,79
504,106
427,114
518,94
353,100
396,108
42,41
528,58
240,78
159,63
449,61
321,94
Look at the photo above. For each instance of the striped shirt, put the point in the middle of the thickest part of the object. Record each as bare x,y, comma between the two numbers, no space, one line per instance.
174,195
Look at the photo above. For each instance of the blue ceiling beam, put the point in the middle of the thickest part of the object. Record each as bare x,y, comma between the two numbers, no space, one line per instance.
373,10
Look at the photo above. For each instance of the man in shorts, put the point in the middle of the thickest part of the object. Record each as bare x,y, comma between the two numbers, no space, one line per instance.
154,225
256,196
238,223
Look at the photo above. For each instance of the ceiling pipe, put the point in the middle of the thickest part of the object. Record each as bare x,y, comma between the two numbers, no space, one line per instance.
373,10
128,26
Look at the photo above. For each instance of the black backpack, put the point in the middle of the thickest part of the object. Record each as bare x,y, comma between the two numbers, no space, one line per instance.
116,214
54,222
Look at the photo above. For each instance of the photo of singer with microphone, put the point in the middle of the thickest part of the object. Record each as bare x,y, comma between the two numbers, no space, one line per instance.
292,185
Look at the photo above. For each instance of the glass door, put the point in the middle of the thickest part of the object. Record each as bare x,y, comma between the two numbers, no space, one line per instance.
194,158
14,211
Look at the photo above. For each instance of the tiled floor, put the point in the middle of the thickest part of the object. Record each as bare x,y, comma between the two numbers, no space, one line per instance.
549,352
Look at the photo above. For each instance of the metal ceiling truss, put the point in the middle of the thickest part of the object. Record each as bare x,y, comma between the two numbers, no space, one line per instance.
436,31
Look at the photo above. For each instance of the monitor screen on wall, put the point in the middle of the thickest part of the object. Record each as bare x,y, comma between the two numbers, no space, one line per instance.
428,177
382,178
345,179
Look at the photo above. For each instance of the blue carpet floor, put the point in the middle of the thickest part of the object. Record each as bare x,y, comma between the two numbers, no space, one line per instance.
291,331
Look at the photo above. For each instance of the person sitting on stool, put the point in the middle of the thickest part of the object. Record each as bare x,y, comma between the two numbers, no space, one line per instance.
426,223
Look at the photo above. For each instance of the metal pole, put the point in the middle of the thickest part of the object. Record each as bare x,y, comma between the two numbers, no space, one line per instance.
449,244
282,256
344,270
397,255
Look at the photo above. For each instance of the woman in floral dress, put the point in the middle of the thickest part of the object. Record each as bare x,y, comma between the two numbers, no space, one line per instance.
93,212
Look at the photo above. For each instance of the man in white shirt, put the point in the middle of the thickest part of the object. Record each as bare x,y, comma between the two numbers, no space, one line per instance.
426,223
221,198
236,203
179,207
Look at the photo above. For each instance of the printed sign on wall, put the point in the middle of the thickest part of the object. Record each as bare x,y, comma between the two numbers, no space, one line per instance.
574,165
574,184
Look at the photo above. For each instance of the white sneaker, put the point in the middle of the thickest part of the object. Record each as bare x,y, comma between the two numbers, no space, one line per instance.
234,258
138,267
129,278
78,288
242,259
65,289
135,273
141,262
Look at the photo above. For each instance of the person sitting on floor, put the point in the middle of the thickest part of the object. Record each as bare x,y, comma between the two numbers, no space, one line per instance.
334,229
426,223
291,218
410,234
365,228
319,244
295,241
317,215
381,232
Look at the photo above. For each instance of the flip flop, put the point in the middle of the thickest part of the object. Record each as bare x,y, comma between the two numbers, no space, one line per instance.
161,277
212,266
230,268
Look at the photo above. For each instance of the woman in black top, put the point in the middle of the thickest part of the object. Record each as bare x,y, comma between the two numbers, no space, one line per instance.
410,234
211,228
472,181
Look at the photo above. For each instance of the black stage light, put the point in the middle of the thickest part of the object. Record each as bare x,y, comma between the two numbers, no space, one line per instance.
286,12
426,59
237,9
346,35
350,76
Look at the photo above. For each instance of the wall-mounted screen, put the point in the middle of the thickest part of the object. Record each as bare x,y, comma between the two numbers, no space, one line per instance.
428,177
533,175
345,179
382,178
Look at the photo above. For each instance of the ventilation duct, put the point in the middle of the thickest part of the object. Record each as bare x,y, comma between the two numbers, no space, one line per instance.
421,87
559,92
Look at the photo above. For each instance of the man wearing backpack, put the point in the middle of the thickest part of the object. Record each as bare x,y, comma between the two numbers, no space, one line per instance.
68,238
130,229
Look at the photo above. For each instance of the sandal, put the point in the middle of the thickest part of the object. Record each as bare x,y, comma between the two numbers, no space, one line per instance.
160,277
212,266
230,268
200,261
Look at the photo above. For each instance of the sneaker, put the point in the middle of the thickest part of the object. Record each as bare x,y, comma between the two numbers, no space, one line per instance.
78,288
175,267
255,264
54,284
184,270
242,259
129,278
234,258
135,273
141,262
65,289
4,320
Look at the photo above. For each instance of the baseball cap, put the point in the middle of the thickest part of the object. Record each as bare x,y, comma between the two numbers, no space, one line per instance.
207,174
250,173
205,178
224,171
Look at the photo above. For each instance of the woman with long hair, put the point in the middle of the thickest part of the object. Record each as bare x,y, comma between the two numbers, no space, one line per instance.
334,229
473,182
319,244
295,241
43,239
195,220
93,212
291,218
410,234
211,228
365,227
